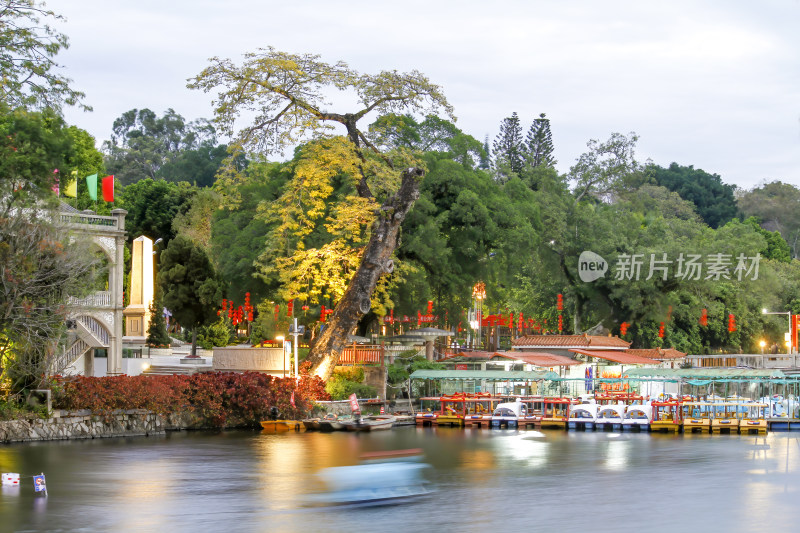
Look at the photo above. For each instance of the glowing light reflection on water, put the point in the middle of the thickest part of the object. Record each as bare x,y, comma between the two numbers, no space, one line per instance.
549,480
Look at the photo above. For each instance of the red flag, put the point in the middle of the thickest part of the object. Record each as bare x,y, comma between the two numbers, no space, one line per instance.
108,188
354,403
291,400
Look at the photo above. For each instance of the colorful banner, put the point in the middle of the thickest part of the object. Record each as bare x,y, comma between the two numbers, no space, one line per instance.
108,188
91,184
354,403
71,188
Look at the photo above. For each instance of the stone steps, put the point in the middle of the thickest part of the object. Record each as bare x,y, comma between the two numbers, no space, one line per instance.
169,370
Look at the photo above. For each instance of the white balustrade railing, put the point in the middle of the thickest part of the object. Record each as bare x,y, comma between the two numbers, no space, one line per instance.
85,219
98,299
96,329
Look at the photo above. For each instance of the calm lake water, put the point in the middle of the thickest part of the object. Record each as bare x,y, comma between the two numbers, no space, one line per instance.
485,480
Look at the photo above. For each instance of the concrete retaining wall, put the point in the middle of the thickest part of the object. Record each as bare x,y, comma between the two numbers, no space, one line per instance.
83,425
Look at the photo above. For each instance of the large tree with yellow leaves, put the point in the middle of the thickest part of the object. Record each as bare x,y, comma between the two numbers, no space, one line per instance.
275,100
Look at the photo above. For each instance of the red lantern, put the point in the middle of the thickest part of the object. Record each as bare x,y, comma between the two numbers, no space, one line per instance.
322,314
560,323
623,328
430,307
704,317
560,302
661,330
290,308
731,323
277,311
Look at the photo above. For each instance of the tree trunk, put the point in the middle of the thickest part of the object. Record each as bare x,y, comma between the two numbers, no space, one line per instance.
377,260
194,343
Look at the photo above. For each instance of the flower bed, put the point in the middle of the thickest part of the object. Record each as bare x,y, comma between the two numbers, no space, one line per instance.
210,399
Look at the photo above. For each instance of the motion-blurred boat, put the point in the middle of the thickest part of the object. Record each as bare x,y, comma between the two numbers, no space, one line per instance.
382,478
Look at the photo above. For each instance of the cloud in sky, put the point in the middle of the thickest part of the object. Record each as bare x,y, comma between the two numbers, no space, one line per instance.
712,84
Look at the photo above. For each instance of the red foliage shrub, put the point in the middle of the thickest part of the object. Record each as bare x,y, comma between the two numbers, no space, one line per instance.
219,399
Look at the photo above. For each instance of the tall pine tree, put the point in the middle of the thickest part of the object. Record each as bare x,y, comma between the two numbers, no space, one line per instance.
539,143
486,155
508,148
157,330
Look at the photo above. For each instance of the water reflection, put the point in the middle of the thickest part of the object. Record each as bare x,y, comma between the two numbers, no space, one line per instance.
248,481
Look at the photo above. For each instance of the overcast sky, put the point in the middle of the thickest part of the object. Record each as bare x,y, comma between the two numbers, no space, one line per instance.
712,84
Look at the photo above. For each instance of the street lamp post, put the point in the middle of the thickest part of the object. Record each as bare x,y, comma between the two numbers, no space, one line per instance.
793,323
479,293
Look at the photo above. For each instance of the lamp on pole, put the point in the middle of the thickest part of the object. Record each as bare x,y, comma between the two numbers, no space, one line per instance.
791,342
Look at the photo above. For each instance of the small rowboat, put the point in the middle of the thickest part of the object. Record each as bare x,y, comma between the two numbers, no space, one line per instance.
277,426
331,422
370,423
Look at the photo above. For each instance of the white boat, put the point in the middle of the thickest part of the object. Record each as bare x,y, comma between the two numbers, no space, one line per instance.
332,422
610,417
582,416
374,482
369,423
508,414
637,416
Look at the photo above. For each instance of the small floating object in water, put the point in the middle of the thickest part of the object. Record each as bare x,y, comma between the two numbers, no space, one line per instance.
11,480
39,483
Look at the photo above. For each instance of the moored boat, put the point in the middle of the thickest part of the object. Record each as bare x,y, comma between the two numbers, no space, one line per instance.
638,416
582,416
508,414
555,412
331,422
429,410
610,417
667,415
369,423
277,426
311,424
725,417
696,417
754,418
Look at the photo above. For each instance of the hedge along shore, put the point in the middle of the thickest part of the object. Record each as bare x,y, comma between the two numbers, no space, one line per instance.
65,425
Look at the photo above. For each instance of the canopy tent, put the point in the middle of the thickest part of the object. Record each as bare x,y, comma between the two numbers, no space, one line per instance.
430,332
717,374
488,375
405,338
542,359
616,357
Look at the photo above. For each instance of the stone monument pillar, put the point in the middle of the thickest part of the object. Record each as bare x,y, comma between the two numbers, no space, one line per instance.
140,291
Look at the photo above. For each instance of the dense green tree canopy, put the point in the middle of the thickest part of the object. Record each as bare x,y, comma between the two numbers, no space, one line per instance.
144,145
41,264
777,205
712,198
153,205
189,284
34,148
28,47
